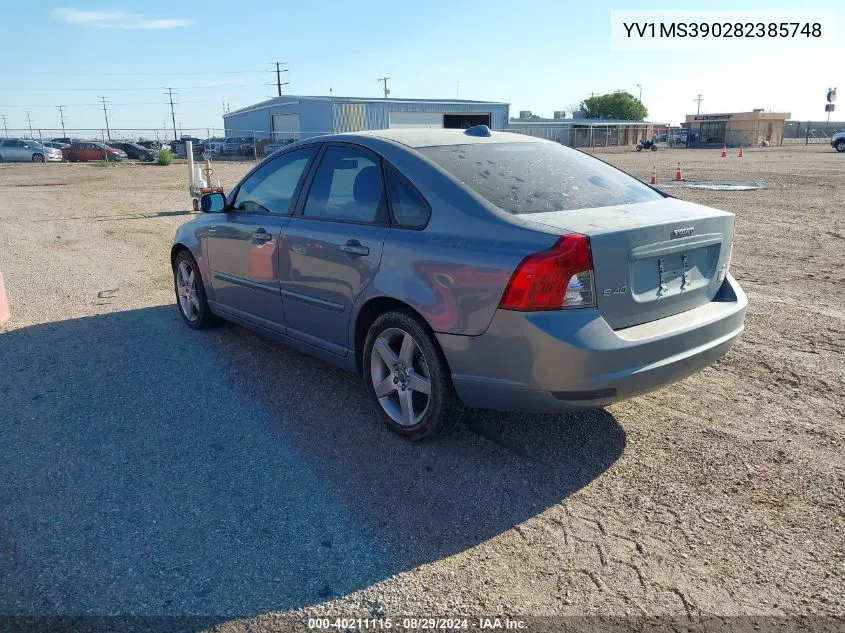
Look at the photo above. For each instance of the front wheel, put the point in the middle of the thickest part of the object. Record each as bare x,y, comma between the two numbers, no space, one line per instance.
190,293
840,146
37,158
408,379
654,148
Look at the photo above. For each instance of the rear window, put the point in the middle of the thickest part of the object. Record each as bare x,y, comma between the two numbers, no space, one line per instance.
525,178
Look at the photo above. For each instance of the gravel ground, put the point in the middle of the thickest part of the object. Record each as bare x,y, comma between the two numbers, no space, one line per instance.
147,469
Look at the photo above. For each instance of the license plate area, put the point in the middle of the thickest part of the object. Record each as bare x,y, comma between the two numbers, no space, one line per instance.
655,278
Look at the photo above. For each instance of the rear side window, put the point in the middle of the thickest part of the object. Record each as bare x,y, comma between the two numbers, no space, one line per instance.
538,177
410,211
347,187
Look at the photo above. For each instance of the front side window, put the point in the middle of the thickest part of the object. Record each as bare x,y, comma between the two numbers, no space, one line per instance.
536,177
347,187
270,189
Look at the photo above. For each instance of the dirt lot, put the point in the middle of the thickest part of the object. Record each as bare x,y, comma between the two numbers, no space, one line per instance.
150,469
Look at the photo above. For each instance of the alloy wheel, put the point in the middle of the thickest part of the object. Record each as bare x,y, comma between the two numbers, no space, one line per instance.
186,287
400,377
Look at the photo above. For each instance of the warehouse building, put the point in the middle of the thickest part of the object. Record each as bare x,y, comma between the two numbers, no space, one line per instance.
751,129
295,117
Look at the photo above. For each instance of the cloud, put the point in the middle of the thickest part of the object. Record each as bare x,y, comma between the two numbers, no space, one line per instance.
118,19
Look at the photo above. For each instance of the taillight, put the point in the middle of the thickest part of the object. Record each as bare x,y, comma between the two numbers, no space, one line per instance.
560,277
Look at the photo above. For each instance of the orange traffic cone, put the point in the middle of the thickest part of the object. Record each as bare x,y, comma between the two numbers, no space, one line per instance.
724,151
678,174
653,180
740,152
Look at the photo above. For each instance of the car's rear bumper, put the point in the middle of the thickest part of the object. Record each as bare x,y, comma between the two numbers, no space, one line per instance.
555,361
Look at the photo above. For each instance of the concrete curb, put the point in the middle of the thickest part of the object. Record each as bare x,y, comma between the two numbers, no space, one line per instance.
4,302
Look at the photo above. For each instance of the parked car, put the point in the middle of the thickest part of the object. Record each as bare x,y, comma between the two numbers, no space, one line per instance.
65,140
274,147
55,145
232,144
83,151
247,149
543,280
179,147
133,150
154,145
837,141
214,144
20,149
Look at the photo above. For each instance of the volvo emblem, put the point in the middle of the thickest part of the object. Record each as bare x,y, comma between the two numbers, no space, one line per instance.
688,230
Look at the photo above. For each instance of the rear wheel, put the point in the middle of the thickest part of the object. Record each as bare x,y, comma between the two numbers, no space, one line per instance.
408,379
840,146
190,293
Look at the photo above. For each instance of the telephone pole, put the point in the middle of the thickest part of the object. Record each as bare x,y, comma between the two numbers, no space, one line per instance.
106,114
5,129
279,83
698,99
383,80
62,117
29,120
172,114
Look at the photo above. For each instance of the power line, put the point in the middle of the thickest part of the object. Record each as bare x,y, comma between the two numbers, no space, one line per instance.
172,114
384,81
62,117
106,114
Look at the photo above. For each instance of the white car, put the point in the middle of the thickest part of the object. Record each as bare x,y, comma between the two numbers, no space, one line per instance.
837,141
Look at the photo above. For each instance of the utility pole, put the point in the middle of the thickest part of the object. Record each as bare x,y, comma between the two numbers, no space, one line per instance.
172,114
279,83
386,89
5,129
698,99
62,117
641,92
29,120
106,114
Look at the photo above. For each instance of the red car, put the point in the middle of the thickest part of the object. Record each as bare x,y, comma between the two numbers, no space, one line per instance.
83,151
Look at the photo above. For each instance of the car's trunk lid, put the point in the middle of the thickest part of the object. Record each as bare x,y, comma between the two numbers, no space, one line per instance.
650,259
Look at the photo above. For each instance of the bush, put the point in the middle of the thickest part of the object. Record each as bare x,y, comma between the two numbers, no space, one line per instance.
165,157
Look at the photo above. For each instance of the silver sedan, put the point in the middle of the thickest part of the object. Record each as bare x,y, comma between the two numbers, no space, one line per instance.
459,268
18,149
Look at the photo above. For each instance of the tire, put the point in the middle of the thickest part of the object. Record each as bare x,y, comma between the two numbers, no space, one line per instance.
639,148
37,158
654,148
840,146
401,360
190,293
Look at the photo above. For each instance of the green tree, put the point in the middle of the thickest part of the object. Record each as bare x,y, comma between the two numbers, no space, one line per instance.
614,105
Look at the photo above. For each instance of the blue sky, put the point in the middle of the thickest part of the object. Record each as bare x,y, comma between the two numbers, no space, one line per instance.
539,56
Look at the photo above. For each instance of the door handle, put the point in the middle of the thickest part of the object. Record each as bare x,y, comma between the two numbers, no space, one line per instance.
261,236
354,247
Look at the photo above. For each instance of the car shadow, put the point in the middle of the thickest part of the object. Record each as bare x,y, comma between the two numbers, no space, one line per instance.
149,468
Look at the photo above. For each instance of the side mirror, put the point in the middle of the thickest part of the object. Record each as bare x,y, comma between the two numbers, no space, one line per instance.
212,202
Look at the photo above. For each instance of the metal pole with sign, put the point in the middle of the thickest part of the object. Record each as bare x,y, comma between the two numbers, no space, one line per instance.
831,97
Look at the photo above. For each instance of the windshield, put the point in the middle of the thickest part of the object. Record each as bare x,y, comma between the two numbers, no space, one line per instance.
538,177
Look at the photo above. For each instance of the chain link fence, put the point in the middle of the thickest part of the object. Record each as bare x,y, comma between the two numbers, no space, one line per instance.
254,145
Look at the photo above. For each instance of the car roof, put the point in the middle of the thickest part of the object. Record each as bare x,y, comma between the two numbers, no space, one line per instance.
426,137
